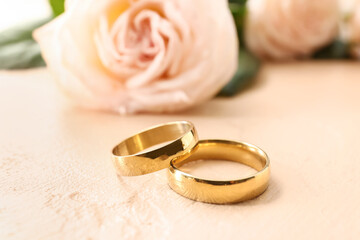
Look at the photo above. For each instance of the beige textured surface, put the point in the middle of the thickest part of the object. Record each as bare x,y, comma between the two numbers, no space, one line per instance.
57,180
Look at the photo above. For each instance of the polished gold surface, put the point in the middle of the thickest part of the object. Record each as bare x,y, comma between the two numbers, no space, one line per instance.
133,157
221,192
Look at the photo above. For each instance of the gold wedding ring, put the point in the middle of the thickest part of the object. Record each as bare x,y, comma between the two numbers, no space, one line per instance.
142,154
212,191
132,156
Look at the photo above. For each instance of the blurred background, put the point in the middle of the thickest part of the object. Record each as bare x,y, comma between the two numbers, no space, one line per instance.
279,31
17,12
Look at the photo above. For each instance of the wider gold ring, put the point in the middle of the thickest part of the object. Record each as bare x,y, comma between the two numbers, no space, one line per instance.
221,192
129,156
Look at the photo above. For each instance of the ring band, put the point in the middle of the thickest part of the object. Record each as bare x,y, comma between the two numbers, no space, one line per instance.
132,156
221,192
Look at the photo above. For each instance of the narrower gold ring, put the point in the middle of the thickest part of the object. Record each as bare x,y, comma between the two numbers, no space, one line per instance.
132,156
221,192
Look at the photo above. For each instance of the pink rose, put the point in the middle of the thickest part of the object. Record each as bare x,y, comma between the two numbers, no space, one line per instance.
282,29
141,56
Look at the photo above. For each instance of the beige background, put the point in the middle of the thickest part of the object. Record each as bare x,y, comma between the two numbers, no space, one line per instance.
57,180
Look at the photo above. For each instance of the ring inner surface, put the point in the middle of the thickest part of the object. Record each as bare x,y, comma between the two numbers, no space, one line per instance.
151,137
226,150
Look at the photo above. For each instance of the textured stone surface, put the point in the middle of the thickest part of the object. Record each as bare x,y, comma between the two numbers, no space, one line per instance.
57,180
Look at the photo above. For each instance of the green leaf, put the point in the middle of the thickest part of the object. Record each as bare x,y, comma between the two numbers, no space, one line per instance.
20,33
335,50
18,49
248,64
57,6
20,55
238,10
248,67
238,1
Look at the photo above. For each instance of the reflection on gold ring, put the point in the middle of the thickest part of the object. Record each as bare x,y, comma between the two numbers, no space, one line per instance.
221,192
131,157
